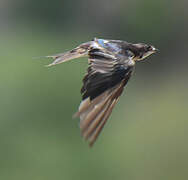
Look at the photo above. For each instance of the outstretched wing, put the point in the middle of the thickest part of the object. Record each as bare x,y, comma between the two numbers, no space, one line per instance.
108,73
110,68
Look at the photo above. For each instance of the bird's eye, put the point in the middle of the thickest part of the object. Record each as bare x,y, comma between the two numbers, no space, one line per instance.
149,48
140,56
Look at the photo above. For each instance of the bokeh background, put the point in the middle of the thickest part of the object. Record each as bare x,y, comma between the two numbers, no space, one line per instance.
146,135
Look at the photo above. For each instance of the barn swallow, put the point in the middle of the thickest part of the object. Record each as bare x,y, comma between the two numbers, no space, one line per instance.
111,63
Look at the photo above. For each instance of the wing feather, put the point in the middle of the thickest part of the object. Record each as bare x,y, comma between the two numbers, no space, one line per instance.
99,128
102,85
95,118
108,72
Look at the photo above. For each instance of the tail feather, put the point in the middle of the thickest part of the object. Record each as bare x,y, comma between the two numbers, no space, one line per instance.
80,51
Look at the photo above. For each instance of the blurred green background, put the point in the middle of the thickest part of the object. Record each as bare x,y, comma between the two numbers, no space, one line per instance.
146,135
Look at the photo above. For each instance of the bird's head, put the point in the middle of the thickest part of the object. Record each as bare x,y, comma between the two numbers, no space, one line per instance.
141,51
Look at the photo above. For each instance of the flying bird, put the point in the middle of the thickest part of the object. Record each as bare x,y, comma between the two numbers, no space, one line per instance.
111,64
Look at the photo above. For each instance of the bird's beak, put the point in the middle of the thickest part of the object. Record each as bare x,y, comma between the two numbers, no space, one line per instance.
155,50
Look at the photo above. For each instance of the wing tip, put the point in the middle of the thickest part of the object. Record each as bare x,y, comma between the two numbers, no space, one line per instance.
48,65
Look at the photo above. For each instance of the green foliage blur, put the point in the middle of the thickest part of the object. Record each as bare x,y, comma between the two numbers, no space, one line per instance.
146,136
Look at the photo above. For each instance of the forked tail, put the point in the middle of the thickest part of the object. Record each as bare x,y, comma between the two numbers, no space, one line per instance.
80,51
